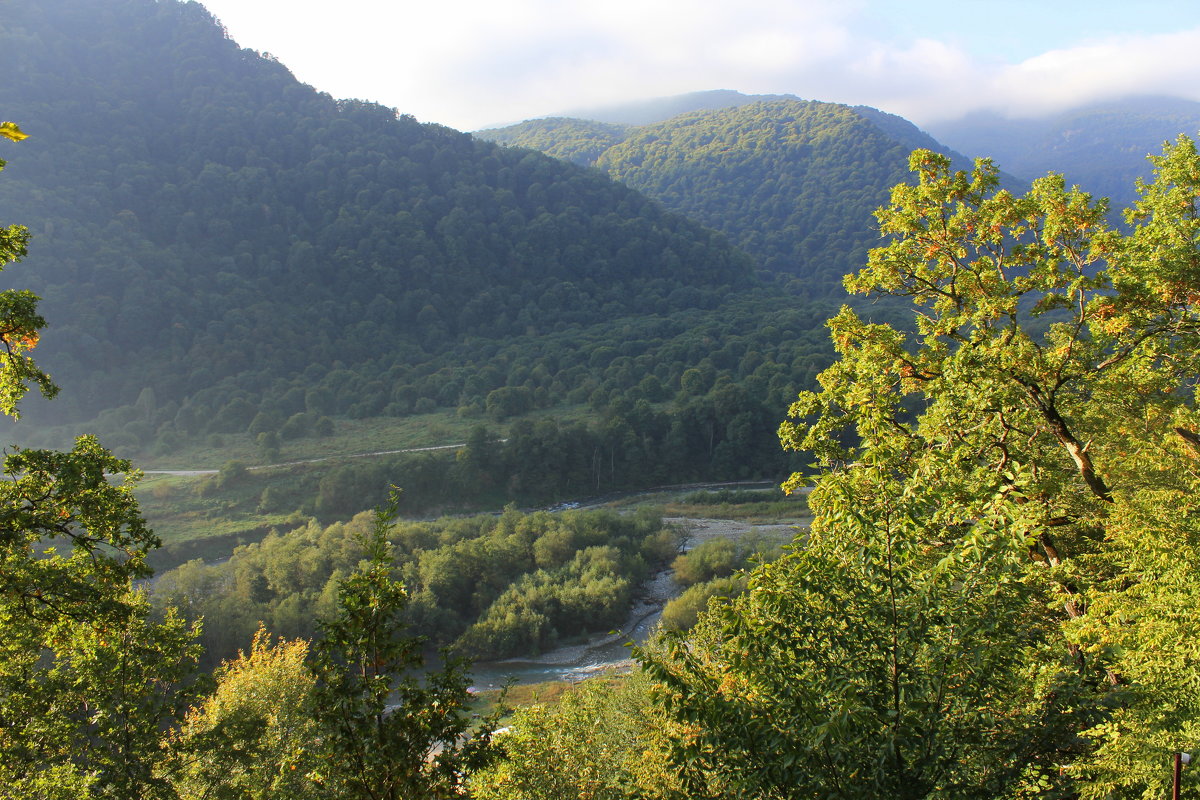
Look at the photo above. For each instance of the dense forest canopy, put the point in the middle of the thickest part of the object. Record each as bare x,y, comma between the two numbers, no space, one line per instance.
202,216
580,141
792,182
646,112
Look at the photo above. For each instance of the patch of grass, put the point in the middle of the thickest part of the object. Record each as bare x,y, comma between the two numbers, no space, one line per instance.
733,497
350,437
762,506
197,518
207,516
547,693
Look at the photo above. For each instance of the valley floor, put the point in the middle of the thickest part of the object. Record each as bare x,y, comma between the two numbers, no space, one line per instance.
610,651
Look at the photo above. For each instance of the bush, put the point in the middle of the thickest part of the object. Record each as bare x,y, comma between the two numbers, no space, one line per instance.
296,426
715,558
508,401
662,547
682,613
268,446
232,473
732,497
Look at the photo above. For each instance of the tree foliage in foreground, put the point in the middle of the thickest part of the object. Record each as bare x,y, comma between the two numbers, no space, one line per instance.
256,735
603,740
390,730
86,678
990,602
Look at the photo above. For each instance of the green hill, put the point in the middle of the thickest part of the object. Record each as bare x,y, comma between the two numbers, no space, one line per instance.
207,228
236,266
580,141
794,183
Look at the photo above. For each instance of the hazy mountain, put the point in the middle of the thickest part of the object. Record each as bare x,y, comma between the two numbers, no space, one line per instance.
581,135
1101,147
205,225
793,182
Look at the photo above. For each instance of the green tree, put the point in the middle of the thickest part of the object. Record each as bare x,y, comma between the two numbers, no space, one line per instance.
508,401
20,324
715,558
390,731
989,500
604,739
256,736
478,464
682,612
865,666
86,680
268,446
231,474
1137,618
125,678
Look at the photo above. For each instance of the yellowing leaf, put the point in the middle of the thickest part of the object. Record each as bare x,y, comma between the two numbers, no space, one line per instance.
9,130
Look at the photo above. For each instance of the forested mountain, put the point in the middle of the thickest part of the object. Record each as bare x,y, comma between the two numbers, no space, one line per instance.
581,141
793,182
204,222
1100,147
581,135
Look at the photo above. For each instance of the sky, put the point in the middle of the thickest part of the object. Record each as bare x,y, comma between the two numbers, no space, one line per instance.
471,64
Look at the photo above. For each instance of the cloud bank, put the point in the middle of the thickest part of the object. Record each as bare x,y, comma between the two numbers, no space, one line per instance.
472,63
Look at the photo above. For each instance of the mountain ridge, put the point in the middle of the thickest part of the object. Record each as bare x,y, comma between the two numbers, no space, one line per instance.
792,182
193,204
1102,147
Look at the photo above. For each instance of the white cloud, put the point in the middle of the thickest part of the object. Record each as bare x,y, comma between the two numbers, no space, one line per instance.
1116,67
468,63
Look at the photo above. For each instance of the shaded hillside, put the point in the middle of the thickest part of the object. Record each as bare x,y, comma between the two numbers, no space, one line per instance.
794,183
200,218
1102,147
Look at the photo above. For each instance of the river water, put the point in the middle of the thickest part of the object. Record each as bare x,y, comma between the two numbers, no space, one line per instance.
611,652
576,662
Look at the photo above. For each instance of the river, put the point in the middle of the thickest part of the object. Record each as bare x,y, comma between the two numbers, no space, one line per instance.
611,651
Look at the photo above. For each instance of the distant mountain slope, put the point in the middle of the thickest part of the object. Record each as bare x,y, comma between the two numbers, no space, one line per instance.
201,218
1101,147
580,141
581,135
794,183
